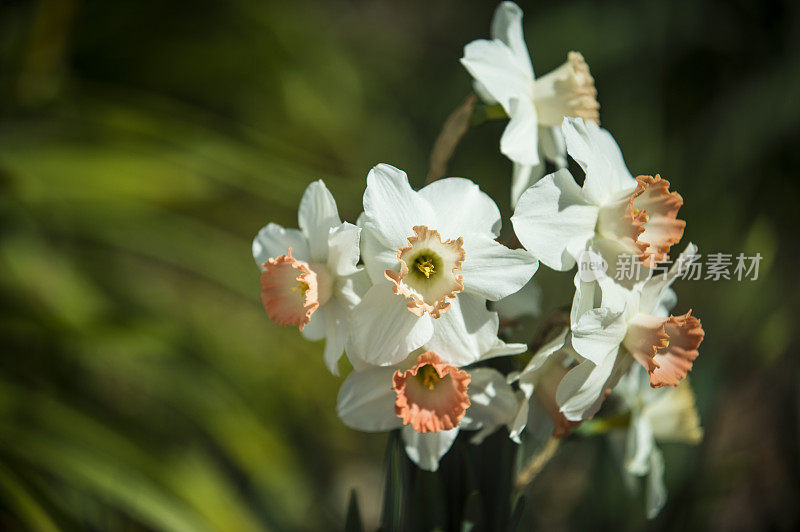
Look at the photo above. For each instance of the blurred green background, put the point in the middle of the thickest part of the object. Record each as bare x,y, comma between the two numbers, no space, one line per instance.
144,143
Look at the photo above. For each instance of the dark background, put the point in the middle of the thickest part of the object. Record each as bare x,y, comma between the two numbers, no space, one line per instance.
143,144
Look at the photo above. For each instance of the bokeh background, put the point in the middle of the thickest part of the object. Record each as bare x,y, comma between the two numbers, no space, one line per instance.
144,143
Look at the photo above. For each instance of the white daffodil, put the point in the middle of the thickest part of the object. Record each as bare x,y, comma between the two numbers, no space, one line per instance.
612,214
433,261
655,416
573,374
634,325
309,276
431,401
504,74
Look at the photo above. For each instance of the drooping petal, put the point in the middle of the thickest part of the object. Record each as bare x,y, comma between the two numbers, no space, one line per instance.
366,400
461,207
273,240
507,27
639,446
463,334
335,334
383,331
392,207
656,490
520,140
493,403
584,387
598,333
494,271
599,156
343,249
553,221
531,372
520,420
427,449
495,67
316,216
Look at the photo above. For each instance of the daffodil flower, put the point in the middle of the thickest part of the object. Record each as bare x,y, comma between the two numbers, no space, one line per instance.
310,278
655,416
612,214
579,367
431,401
504,74
434,262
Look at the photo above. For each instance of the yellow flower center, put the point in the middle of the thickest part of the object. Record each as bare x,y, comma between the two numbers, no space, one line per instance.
301,286
429,376
425,264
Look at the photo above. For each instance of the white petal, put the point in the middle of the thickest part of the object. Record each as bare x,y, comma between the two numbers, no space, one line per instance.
350,289
366,400
335,334
656,491
656,290
598,333
494,271
500,348
427,449
553,221
316,216
495,67
461,207
493,402
314,330
520,140
526,302
552,143
507,27
273,240
392,208
465,332
640,444
520,420
587,296
582,389
599,156
530,373
343,249
522,177
377,256
383,330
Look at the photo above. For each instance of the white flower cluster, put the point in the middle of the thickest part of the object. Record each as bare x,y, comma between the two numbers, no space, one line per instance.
404,291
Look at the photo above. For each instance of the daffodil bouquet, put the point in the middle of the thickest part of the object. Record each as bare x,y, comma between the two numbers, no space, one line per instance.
413,293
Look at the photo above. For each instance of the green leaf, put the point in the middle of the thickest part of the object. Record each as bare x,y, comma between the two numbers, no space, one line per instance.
353,522
396,486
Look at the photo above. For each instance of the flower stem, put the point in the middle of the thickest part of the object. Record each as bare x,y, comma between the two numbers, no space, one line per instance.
453,130
537,463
